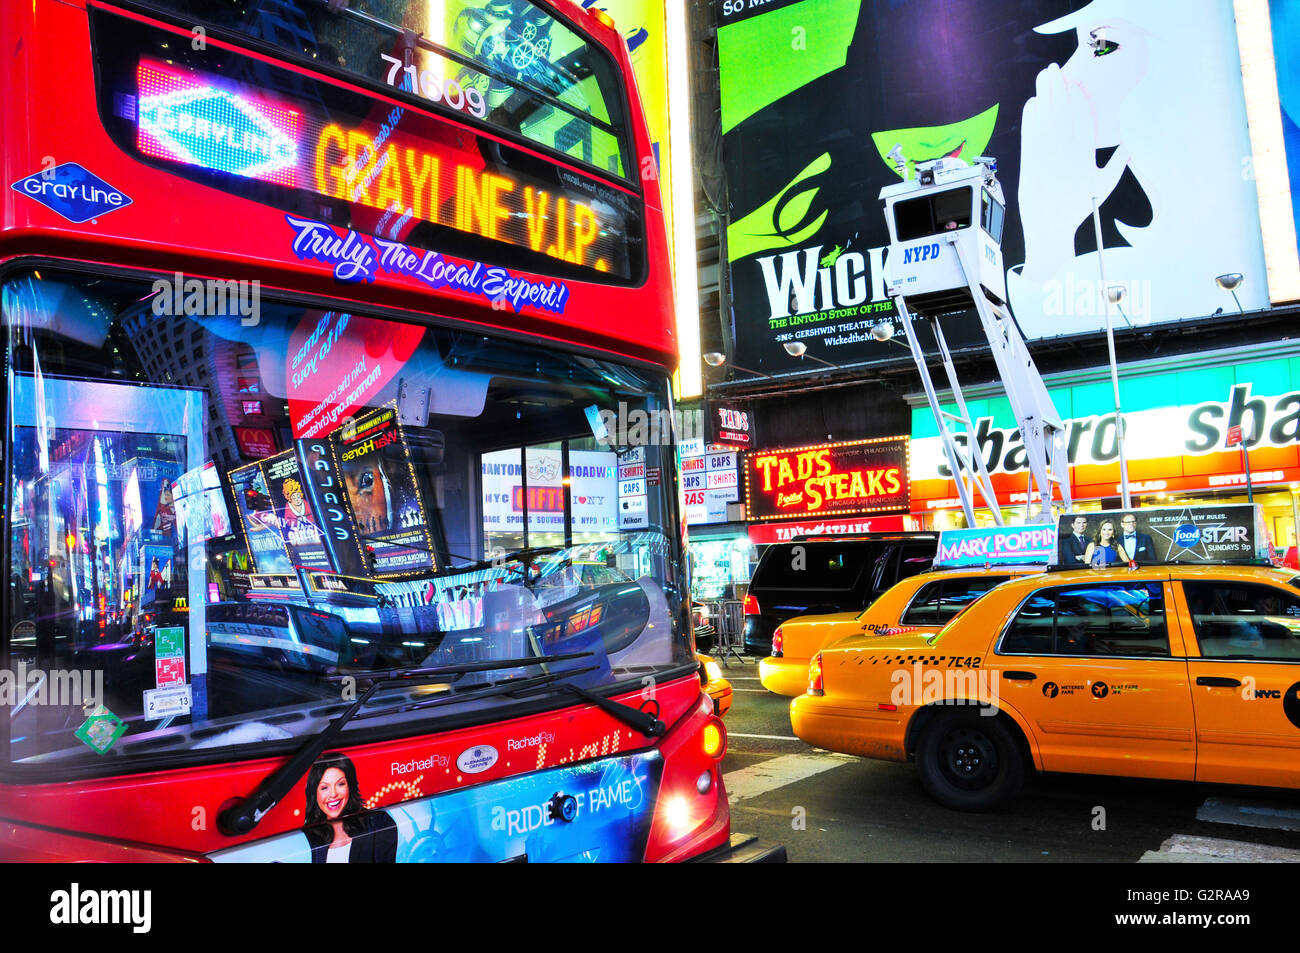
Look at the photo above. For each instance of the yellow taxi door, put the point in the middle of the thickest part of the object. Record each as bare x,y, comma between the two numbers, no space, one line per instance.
1102,678
1245,671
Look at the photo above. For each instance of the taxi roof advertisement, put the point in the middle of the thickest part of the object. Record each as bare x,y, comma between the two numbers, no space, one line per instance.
996,546
1234,533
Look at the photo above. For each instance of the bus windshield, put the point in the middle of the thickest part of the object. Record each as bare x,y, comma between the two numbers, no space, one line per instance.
219,523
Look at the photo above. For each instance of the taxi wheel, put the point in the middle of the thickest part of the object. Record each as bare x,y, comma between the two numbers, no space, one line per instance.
969,761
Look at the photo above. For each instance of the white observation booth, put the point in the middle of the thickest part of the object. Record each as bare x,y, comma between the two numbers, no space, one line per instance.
950,213
945,257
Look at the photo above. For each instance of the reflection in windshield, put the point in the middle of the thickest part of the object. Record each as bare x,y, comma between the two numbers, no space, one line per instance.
218,521
511,63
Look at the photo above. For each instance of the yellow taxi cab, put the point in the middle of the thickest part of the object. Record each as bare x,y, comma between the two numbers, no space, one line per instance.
1185,672
918,605
715,686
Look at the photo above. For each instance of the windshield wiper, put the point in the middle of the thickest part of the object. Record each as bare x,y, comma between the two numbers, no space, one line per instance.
642,721
511,686
242,817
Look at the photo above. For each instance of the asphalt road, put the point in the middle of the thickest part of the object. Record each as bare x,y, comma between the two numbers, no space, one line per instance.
827,807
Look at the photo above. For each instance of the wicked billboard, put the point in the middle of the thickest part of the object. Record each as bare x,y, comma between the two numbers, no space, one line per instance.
1074,100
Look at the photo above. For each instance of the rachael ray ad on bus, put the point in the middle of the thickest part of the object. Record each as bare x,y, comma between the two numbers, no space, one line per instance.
598,811
828,480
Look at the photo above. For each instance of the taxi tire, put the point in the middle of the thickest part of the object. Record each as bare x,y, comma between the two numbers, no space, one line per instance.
965,740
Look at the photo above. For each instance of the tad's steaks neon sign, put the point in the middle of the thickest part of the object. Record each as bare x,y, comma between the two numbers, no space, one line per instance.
866,476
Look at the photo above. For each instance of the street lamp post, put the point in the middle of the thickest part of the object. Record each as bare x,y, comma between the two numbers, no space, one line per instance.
800,350
1230,283
717,359
1114,370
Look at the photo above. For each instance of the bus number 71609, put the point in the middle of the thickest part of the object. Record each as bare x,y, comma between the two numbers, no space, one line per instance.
466,99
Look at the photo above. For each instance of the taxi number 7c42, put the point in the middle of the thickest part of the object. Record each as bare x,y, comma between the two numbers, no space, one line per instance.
1179,672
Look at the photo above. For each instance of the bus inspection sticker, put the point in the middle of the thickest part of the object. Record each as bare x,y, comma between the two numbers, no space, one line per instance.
169,642
476,759
167,702
101,730
170,672
72,191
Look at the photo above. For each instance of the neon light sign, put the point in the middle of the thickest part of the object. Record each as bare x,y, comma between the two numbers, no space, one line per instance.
185,119
832,479
350,165
396,168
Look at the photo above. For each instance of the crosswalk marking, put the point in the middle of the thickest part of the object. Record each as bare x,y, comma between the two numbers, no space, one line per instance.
778,772
1185,848
1240,812
1247,813
736,734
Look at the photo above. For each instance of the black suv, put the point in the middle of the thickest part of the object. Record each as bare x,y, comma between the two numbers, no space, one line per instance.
820,574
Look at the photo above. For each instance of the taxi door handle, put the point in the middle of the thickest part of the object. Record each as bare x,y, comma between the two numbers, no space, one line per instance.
1019,676
1218,681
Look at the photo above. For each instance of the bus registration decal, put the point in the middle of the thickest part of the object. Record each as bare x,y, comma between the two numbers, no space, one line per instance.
356,257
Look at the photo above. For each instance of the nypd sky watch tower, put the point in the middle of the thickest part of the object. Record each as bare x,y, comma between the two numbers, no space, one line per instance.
945,257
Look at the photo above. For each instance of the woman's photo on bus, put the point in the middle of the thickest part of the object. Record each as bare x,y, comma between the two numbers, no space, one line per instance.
338,828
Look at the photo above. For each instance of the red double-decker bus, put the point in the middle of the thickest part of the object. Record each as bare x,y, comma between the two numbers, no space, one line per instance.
341,506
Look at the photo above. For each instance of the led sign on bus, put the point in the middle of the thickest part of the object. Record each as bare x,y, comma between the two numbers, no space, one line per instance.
833,479
189,121
438,174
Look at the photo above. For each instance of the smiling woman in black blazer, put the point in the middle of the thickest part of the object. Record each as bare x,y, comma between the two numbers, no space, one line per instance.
337,822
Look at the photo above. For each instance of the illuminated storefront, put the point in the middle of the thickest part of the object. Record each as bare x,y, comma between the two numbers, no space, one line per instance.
1178,414
721,554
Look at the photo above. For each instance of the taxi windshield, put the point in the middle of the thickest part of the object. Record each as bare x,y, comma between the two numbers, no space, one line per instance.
216,522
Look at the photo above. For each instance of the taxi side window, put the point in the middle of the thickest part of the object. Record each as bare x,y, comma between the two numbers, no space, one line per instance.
1241,620
924,609
938,602
1105,619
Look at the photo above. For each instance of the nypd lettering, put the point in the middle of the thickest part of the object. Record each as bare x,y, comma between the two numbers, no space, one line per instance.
920,253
